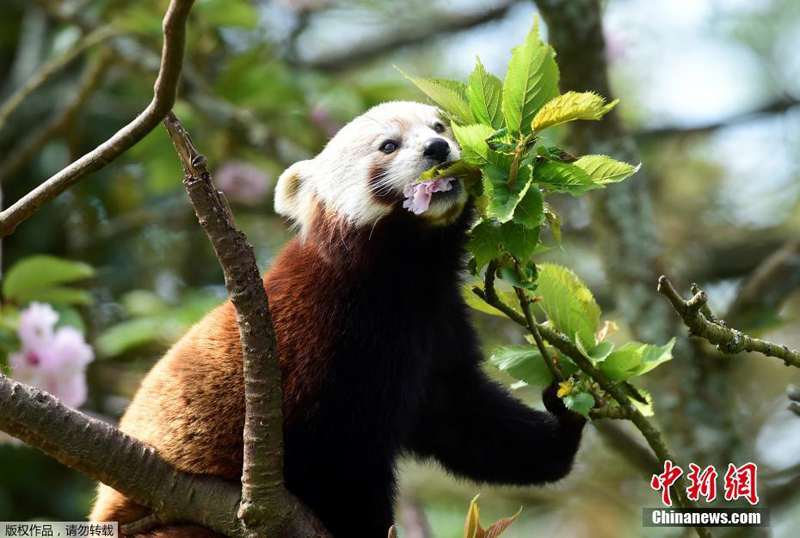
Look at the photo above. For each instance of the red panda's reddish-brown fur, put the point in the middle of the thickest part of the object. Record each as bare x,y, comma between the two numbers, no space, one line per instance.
378,356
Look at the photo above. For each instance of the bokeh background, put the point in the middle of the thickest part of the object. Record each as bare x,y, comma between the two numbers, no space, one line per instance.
709,90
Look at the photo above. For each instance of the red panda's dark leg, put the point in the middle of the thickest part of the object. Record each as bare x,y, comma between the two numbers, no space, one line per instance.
476,429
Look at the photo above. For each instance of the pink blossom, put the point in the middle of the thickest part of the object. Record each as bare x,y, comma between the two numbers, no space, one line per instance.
53,360
418,194
36,325
243,182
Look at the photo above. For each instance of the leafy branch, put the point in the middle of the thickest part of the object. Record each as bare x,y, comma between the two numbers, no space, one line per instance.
625,408
702,323
502,128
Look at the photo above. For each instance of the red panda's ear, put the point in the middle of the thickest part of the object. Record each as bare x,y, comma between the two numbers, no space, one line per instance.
289,192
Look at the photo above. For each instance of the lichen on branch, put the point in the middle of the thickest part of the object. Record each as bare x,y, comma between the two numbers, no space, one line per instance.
702,323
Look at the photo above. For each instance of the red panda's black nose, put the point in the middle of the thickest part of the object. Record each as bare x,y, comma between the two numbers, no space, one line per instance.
436,148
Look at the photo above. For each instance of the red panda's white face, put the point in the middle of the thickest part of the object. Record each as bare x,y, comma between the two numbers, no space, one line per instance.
361,173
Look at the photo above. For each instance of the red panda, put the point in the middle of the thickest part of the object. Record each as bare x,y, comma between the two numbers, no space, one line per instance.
377,353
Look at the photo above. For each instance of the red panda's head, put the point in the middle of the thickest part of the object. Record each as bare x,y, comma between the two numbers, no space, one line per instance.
361,173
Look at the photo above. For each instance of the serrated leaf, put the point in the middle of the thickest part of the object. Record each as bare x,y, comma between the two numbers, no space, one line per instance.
567,303
530,209
519,240
524,363
634,359
484,242
554,220
485,93
503,199
572,106
597,351
644,408
579,402
531,81
604,170
457,169
450,95
473,301
474,149
563,177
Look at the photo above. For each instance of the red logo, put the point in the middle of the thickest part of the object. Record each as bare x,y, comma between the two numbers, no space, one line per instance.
740,482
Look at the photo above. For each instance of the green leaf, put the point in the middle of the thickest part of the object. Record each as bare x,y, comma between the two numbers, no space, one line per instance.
604,170
503,199
644,408
451,95
484,242
554,220
579,402
568,303
519,240
228,13
485,92
530,209
32,278
128,335
531,81
634,359
458,169
474,149
571,106
524,363
562,177
472,300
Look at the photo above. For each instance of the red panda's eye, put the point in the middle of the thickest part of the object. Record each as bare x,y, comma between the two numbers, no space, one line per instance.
438,127
389,146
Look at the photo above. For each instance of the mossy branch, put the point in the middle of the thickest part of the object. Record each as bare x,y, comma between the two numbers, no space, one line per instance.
702,323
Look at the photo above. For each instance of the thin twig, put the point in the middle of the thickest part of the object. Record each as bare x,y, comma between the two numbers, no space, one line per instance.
726,339
89,83
49,69
166,85
442,24
220,112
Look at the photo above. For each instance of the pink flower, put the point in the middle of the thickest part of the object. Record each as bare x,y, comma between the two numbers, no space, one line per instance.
54,360
36,325
243,182
418,194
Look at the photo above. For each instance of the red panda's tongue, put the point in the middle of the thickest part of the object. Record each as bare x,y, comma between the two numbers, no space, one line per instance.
418,194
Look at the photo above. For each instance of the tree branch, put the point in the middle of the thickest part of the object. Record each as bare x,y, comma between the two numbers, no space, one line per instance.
778,106
626,409
767,287
21,154
701,323
363,53
266,507
628,236
48,70
174,28
116,459
220,112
